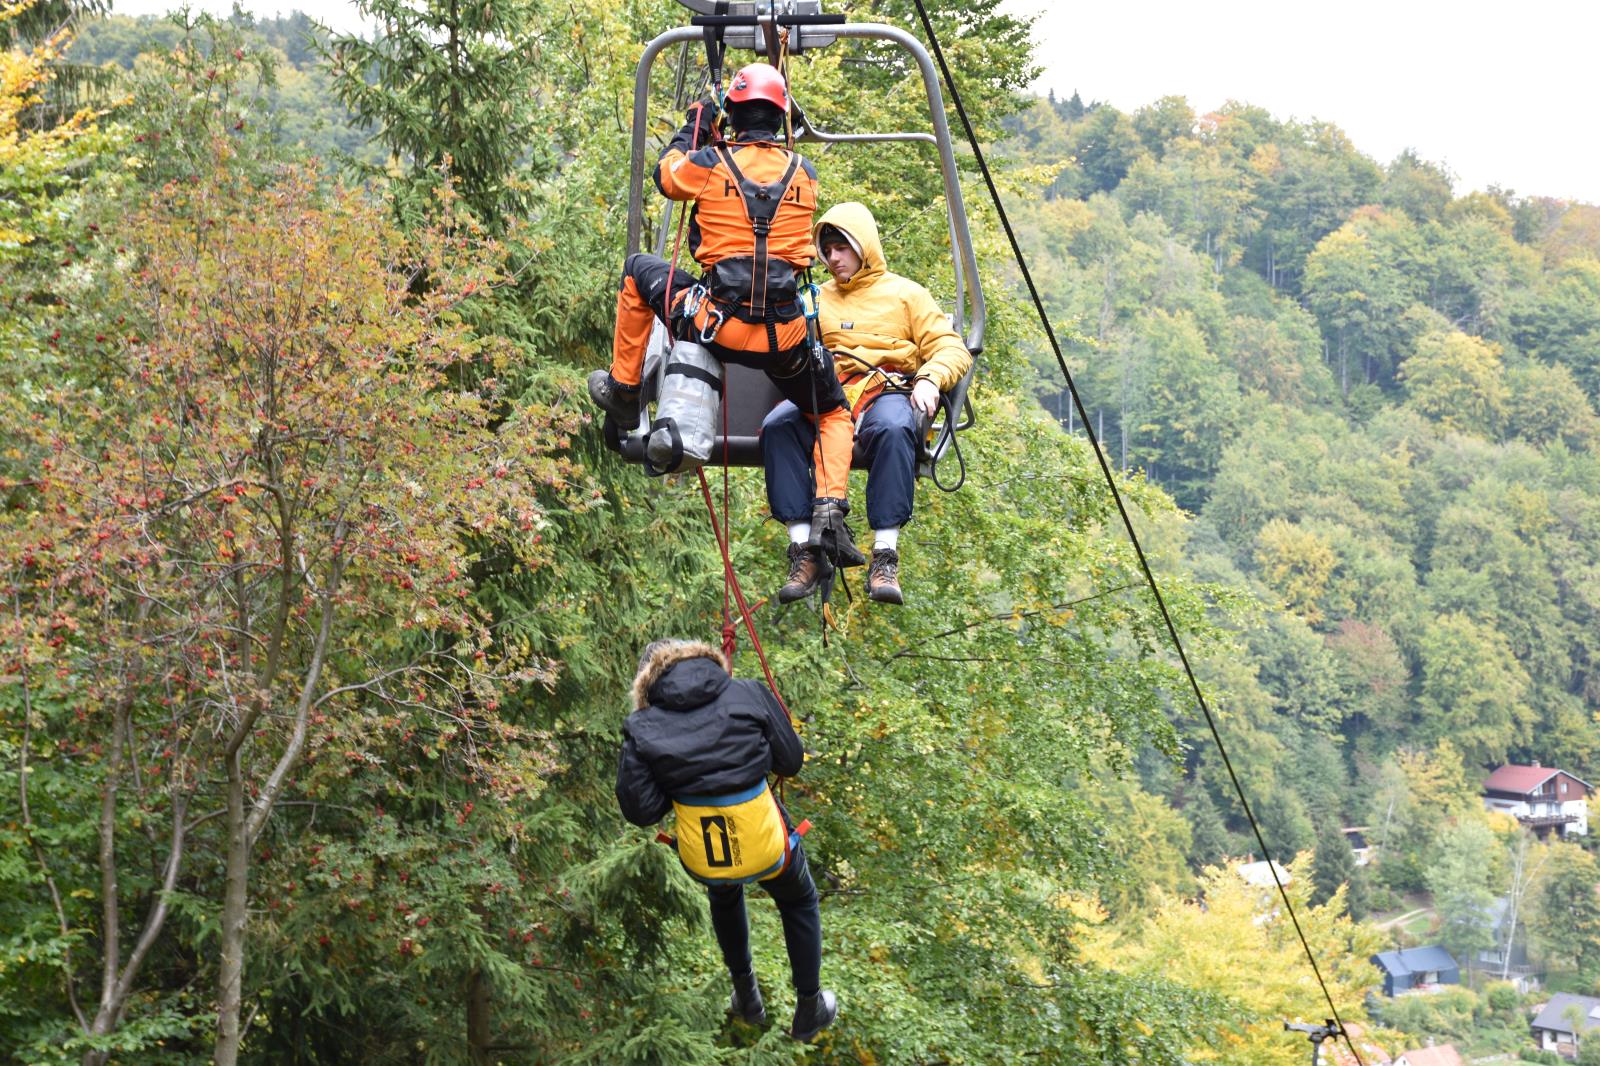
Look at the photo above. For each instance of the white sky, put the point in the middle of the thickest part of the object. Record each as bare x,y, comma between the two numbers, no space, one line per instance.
1501,94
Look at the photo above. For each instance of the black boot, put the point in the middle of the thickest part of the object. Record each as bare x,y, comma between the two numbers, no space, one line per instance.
807,567
831,535
616,399
746,1002
812,1014
883,576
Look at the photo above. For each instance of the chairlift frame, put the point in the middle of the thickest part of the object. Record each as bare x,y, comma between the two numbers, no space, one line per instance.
748,394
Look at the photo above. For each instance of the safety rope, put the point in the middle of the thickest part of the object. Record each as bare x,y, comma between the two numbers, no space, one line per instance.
1127,521
722,530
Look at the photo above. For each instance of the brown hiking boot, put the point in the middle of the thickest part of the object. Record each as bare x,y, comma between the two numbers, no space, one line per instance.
883,576
807,568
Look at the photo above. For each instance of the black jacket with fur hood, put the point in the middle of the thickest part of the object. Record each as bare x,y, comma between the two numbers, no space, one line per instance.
698,732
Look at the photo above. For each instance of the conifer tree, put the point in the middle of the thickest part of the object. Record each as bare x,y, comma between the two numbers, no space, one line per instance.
1333,864
449,87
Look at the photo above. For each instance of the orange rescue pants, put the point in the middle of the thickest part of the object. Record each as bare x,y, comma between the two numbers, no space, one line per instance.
809,385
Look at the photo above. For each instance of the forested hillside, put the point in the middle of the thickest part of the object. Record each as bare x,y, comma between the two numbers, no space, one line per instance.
322,598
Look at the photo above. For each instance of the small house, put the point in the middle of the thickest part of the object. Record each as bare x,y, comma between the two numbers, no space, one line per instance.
1413,969
1565,1022
1360,846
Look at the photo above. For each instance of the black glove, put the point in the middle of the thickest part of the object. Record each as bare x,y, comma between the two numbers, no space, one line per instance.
702,118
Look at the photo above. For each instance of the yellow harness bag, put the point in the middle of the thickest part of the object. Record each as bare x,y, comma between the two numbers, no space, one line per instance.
734,839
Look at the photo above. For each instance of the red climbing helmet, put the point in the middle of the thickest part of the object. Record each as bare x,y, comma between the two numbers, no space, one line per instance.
759,81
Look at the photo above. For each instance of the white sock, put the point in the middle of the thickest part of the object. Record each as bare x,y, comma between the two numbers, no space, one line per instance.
799,532
886,538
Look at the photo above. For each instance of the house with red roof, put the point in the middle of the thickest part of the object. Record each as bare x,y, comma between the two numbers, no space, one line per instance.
1540,797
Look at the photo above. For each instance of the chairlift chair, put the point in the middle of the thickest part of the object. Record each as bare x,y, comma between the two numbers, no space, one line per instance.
748,394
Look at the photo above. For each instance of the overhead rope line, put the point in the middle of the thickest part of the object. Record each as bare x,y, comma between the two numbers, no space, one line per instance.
1127,521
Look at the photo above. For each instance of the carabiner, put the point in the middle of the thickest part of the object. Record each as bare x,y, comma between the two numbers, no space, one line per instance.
812,310
714,320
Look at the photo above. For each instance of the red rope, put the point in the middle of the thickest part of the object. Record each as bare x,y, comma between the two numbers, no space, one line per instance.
732,580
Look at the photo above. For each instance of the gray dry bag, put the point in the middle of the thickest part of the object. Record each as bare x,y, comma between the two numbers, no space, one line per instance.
688,406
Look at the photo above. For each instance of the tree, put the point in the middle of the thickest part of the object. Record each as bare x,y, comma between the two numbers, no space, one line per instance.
1333,865
1461,879
1295,563
455,97
1285,825
1473,688
1566,923
1236,943
281,462
1526,862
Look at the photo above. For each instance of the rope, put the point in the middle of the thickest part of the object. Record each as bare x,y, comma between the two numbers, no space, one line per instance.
738,594
730,580
1127,522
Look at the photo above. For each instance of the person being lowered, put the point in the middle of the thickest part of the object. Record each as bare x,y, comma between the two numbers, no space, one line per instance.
750,230
895,353
701,744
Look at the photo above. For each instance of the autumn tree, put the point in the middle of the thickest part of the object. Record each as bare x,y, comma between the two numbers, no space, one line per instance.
280,460
1235,941
1455,379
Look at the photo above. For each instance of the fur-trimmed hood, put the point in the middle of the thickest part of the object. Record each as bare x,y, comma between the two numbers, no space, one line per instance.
664,654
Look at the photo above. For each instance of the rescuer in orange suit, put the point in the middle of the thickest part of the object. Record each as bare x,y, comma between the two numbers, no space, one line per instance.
750,231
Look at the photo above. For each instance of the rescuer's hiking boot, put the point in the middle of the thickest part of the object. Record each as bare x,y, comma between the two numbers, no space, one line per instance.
616,399
812,1014
807,567
883,576
746,1001
831,535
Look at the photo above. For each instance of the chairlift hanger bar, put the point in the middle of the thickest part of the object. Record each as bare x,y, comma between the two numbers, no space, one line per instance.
969,290
762,20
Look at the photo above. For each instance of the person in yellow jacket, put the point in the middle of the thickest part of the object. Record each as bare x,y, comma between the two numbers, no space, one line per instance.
895,353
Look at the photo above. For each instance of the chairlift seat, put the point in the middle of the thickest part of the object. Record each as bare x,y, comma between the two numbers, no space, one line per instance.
750,396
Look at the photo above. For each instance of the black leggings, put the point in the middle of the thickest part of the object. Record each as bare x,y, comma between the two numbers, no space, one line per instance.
796,897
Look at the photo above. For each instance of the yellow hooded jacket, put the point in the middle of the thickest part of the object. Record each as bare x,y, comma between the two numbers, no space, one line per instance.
882,320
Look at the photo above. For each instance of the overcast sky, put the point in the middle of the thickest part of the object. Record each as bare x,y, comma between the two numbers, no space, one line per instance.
1502,94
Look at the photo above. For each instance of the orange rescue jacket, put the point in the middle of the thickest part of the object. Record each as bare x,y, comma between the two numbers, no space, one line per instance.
723,238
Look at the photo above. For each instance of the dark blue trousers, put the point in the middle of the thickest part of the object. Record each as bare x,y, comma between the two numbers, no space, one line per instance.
887,434
796,896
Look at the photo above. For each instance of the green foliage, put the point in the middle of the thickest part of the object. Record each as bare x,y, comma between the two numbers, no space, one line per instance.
1566,921
1332,865
1446,1015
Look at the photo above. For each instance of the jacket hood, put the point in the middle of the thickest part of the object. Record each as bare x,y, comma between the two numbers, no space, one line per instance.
857,221
695,685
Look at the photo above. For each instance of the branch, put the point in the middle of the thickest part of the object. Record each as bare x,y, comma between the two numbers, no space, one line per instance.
1007,617
112,931
297,739
38,852
158,906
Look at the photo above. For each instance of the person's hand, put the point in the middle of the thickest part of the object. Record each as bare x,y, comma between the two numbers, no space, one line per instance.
702,114
925,396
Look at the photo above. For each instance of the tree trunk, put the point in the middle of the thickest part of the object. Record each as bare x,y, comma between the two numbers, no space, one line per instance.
478,1026
235,898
